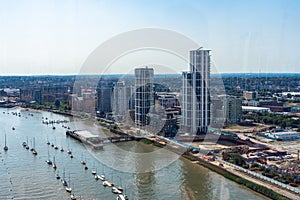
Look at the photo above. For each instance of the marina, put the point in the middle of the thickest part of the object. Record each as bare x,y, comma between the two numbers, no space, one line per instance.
33,179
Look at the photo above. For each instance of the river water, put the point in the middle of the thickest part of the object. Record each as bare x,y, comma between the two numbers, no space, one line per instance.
25,176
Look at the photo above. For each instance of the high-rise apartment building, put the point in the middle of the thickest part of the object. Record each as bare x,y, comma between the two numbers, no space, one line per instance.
225,109
195,93
122,100
144,97
104,96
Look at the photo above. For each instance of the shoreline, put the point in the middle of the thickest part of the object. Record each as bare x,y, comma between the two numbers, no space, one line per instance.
187,155
269,193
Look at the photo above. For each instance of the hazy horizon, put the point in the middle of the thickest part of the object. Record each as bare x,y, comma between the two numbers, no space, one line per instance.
56,37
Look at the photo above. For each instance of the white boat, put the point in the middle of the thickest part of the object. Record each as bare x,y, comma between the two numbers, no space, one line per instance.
120,188
107,183
49,162
115,190
94,172
122,197
102,177
73,195
69,189
34,152
54,164
82,161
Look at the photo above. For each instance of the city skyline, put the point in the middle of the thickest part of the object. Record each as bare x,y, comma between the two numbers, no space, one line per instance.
154,99
56,37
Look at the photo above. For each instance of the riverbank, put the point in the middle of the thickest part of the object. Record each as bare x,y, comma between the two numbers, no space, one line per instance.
252,183
231,176
60,112
227,174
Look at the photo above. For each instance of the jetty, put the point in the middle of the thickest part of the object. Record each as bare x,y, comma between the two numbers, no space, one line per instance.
95,141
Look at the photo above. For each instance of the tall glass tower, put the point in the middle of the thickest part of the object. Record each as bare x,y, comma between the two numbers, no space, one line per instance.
195,93
144,97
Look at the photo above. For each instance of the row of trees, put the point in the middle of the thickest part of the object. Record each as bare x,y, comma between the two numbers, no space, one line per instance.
58,105
274,119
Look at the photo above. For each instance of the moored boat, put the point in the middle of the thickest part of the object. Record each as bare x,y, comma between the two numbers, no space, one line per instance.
5,148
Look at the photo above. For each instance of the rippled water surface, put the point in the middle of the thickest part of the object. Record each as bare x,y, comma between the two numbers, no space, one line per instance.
25,176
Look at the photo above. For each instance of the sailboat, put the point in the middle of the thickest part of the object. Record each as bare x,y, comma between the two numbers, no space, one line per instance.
102,177
115,190
34,152
73,195
54,164
48,141
24,144
82,161
5,148
27,146
108,183
122,197
64,182
94,172
55,147
57,175
61,148
69,189
31,145
119,187
49,162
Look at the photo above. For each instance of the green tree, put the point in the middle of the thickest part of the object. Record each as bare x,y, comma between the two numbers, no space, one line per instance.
57,103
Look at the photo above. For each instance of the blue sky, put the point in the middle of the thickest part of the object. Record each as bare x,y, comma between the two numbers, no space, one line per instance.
56,37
